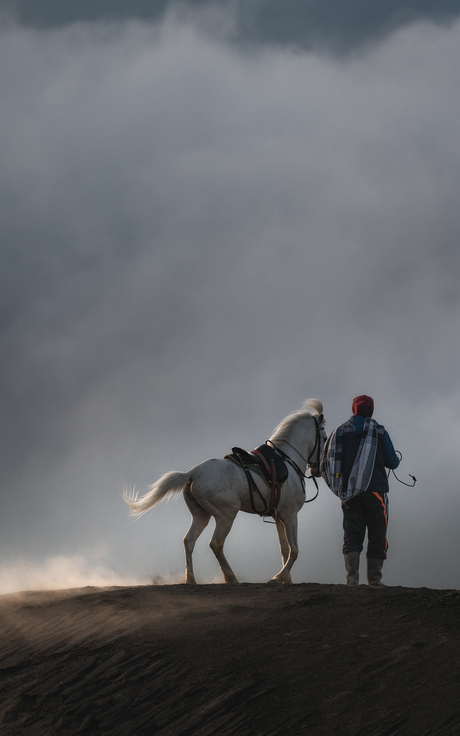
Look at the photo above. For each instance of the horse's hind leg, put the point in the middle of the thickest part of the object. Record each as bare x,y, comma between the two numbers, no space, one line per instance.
223,526
200,519
284,546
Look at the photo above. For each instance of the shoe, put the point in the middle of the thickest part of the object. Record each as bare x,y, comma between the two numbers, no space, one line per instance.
374,572
352,567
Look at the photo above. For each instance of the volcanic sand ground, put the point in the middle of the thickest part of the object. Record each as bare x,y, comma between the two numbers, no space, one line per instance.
251,660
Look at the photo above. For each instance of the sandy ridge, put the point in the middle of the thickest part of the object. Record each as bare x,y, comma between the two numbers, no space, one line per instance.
214,659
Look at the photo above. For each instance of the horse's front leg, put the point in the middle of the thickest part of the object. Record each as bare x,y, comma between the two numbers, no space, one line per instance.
290,526
284,546
223,526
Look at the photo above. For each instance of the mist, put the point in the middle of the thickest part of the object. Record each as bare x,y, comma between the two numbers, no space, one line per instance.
196,237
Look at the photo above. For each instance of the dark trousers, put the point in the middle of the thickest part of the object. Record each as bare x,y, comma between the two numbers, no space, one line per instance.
368,511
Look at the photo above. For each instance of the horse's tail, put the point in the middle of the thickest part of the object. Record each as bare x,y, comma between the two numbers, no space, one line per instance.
173,482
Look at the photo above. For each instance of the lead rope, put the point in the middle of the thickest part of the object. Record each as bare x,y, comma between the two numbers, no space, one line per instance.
414,479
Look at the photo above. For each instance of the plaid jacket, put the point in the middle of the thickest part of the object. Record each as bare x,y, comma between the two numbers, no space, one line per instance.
363,466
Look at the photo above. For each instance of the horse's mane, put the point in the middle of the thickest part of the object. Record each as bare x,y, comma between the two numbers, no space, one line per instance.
284,428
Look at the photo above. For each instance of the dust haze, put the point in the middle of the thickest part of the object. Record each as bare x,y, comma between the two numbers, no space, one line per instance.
197,235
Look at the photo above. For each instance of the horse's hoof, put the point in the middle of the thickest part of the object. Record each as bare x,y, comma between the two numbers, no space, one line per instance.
274,581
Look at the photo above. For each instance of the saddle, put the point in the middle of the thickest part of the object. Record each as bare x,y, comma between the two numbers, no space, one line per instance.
265,461
260,461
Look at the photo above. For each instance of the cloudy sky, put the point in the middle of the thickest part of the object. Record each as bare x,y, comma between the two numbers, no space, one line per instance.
209,213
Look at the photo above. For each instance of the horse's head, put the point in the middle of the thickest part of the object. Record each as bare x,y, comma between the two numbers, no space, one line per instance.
314,460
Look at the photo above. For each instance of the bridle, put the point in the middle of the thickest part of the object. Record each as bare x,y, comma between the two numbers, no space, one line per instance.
310,464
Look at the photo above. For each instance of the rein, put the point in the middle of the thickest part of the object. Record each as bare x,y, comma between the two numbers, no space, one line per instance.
303,476
270,509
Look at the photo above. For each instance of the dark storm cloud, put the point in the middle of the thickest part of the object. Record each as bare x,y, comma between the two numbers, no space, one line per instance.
194,241
329,24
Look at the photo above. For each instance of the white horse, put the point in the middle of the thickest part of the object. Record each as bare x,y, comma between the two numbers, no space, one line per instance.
219,488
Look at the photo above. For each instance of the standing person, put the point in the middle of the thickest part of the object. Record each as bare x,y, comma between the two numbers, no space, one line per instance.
353,466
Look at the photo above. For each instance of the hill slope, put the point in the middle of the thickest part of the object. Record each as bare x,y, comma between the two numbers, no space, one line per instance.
250,660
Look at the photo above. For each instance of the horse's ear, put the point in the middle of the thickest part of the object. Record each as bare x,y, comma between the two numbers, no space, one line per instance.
321,418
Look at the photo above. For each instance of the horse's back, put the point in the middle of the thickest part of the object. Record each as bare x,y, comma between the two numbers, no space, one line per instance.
215,473
219,483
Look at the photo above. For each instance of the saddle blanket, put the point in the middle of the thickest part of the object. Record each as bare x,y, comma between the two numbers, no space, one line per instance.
259,460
